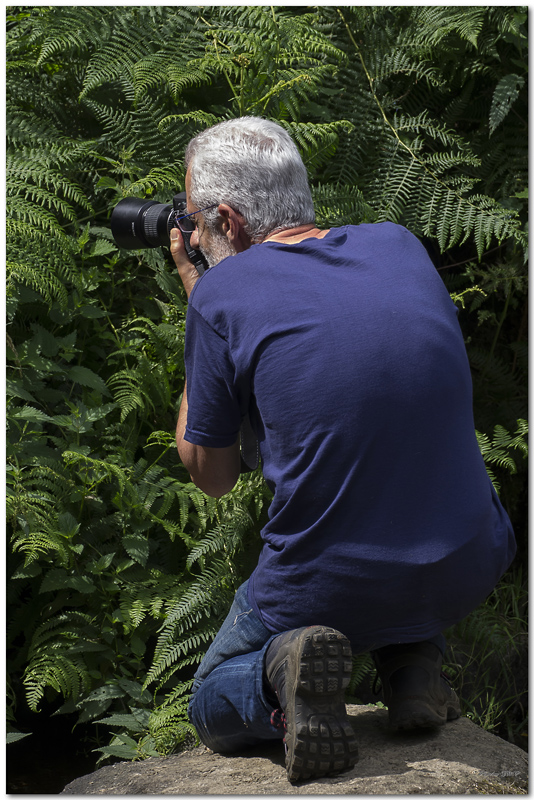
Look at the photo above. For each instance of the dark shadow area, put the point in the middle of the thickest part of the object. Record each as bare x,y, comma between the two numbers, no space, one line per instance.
52,756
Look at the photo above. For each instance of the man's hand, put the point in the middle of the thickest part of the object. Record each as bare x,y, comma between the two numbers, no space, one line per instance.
186,269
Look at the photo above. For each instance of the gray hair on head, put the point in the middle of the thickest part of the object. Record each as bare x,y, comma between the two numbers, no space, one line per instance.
253,165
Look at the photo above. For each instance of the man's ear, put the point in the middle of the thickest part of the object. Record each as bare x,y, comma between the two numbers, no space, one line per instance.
233,227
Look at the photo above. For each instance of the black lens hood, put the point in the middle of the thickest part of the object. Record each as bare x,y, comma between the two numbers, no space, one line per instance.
137,224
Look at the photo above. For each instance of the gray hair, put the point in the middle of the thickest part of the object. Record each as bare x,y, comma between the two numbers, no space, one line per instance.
253,165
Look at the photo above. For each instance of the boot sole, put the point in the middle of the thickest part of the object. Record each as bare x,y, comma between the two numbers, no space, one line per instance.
320,740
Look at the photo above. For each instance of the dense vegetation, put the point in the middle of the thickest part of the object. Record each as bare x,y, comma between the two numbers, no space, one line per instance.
119,569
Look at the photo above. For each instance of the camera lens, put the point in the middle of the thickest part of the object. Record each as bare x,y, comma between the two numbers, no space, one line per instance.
137,224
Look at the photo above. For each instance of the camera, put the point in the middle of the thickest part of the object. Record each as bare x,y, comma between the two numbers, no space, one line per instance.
137,224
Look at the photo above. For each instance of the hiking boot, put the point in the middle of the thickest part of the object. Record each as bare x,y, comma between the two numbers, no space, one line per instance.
309,669
415,690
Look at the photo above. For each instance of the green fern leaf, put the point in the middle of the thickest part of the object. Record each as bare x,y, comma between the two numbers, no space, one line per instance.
504,96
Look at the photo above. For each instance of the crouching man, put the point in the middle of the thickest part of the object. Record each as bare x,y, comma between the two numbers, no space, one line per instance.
344,349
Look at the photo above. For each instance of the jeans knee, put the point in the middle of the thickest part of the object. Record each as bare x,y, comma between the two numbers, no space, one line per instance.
211,728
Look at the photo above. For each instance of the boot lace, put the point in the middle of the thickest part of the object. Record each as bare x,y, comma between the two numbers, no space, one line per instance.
278,719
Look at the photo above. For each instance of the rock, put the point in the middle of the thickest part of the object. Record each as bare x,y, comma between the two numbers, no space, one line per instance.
459,758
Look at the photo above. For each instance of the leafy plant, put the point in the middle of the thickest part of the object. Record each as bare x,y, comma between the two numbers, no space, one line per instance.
488,660
499,451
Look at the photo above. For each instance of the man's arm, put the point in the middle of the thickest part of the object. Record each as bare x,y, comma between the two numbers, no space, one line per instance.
215,470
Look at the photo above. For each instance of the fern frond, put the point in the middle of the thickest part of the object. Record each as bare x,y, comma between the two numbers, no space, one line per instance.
498,451
201,605
37,543
24,234
435,24
224,539
165,178
31,506
53,663
45,282
66,31
57,670
318,141
505,94
362,665
118,51
197,119
169,723
102,470
21,209
127,391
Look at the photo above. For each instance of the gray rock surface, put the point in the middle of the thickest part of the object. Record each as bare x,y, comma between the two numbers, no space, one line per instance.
459,758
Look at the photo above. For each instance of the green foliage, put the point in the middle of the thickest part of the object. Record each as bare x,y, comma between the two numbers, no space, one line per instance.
488,660
498,451
119,569
362,666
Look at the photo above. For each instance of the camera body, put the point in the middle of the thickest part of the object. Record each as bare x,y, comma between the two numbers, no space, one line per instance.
137,224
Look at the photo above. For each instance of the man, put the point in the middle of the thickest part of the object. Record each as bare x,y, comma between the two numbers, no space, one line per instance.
344,349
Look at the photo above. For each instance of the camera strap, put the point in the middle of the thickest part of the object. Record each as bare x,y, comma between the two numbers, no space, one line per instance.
249,447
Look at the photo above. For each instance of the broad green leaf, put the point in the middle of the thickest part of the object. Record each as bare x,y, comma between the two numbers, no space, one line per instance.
30,414
88,378
127,721
15,736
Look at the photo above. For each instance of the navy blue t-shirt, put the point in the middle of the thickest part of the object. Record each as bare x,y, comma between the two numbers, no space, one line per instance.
347,353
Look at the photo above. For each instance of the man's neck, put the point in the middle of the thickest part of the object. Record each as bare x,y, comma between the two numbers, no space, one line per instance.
294,235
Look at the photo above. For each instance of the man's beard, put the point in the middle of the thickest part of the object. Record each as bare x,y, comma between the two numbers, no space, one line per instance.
216,247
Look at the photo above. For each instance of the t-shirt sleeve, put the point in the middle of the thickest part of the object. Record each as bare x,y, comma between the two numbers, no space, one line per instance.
213,417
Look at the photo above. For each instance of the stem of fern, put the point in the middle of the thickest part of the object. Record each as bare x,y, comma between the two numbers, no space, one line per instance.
501,321
377,101
391,127
225,73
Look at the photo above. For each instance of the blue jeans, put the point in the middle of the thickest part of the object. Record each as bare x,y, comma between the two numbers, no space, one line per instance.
229,706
